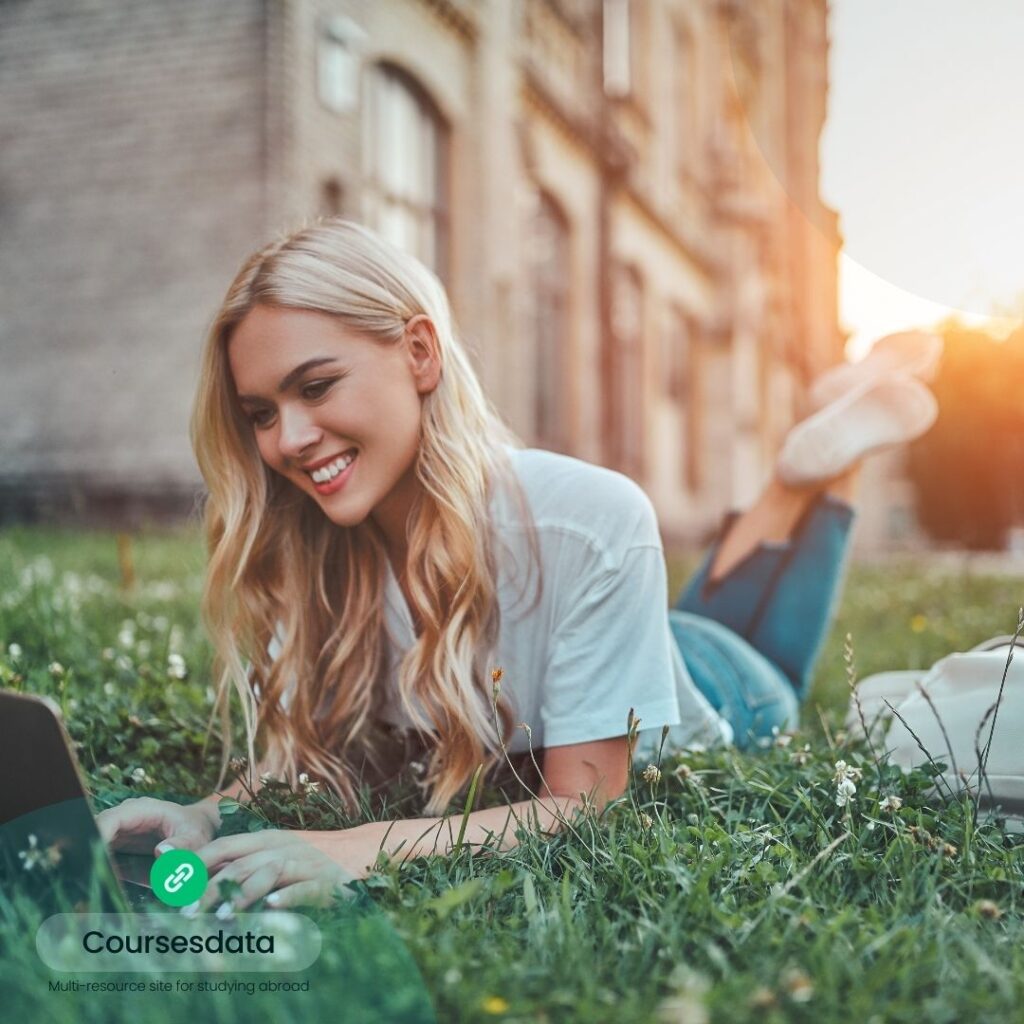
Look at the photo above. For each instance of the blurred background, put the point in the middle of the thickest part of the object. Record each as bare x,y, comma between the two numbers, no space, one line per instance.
657,221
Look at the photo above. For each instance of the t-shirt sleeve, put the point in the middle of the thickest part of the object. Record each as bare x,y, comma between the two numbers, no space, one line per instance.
611,652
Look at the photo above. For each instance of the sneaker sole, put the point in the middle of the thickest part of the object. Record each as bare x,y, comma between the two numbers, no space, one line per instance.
880,415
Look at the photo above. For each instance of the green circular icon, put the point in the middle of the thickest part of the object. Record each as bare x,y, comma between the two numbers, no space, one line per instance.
178,877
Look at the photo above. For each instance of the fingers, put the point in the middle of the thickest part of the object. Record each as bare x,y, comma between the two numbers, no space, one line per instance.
185,837
265,879
241,871
229,848
277,869
131,817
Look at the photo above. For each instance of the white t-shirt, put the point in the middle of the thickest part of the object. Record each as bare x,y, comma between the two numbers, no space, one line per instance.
598,641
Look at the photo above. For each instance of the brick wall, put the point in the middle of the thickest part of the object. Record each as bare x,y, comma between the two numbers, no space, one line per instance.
132,179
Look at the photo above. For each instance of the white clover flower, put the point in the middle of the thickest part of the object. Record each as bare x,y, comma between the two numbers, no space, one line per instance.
109,689
891,804
160,624
14,651
31,857
845,791
846,771
652,774
176,667
139,775
56,669
802,756
124,663
48,858
307,784
126,634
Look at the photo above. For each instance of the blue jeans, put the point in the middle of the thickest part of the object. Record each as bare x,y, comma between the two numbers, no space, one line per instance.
751,638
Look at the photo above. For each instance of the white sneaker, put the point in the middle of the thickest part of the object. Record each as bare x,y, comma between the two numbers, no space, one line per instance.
911,352
880,414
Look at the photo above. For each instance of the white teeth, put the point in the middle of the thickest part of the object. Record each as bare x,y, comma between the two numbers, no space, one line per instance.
332,469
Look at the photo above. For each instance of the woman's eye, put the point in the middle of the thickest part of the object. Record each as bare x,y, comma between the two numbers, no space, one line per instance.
316,388
261,418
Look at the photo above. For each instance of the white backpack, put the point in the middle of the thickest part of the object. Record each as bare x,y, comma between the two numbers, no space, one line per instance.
951,711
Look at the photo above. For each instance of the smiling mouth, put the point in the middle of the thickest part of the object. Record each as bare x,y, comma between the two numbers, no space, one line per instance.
332,477
327,473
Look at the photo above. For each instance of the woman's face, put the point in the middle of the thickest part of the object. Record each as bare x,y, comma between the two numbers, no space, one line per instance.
335,412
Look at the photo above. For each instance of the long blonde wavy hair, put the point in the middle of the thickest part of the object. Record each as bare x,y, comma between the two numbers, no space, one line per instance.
280,570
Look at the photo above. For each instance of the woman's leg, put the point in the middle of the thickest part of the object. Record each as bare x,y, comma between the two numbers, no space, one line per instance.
740,683
774,574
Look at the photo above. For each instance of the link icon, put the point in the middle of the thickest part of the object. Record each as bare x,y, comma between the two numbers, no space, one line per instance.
178,877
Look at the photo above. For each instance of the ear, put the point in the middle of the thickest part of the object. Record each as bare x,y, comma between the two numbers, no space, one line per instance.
424,352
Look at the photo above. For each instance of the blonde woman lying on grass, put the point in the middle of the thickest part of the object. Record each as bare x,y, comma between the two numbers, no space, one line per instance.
379,542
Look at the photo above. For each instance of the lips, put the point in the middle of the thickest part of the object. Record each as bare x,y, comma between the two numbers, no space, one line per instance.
325,462
336,483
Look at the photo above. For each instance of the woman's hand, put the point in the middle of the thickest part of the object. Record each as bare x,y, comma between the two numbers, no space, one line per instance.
140,823
292,868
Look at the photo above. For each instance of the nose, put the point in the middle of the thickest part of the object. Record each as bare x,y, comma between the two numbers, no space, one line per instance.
298,433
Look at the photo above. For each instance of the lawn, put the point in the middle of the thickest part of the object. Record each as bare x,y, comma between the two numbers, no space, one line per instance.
726,887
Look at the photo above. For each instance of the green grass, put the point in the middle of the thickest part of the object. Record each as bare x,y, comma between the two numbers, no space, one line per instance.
732,889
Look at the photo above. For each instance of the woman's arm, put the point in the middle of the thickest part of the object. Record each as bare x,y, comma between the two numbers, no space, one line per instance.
298,868
598,769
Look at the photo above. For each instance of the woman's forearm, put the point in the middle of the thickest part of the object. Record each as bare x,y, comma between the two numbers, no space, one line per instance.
497,826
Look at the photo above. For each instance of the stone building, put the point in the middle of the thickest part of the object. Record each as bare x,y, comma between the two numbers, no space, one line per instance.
621,197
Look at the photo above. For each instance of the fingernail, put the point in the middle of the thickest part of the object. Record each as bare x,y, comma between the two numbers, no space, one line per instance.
165,846
190,910
274,898
225,911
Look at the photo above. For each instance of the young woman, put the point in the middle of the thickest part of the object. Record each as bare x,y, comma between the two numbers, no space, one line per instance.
380,544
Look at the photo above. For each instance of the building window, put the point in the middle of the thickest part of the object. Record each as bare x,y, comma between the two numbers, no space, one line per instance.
549,270
626,385
337,64
406,147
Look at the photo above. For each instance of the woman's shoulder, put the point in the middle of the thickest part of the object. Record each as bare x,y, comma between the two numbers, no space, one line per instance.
567,494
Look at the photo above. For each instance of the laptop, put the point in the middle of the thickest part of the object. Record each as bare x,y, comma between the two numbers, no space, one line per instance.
51,851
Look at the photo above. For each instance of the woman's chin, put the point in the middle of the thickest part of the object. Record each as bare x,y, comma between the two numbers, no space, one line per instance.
341,513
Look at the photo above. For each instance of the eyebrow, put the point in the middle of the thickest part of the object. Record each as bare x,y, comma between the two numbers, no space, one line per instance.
292,376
